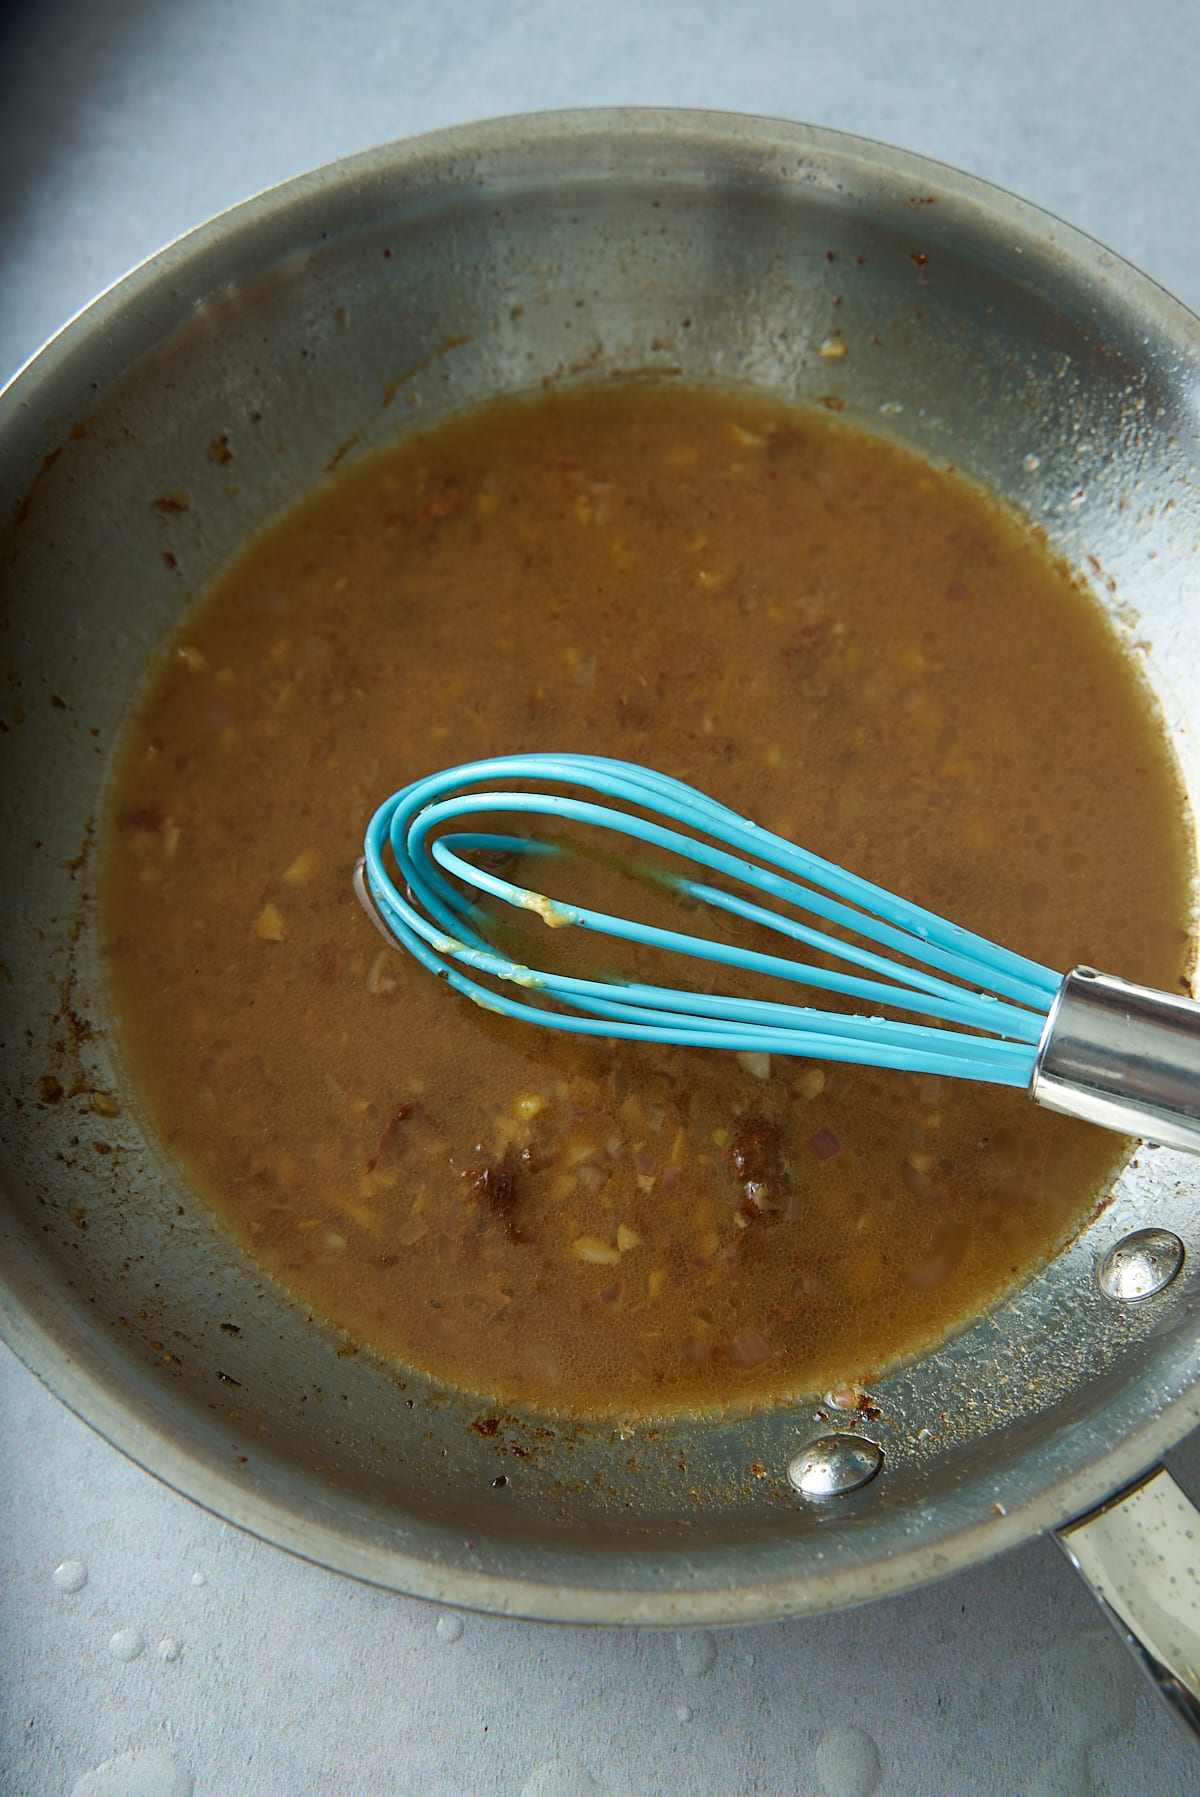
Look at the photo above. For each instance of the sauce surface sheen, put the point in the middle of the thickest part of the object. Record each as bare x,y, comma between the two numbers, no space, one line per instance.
859,651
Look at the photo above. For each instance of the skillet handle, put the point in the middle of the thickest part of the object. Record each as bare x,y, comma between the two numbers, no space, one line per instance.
1139,1554
1124,1056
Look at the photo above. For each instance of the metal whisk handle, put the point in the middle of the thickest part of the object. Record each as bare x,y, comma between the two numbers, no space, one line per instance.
1124,1056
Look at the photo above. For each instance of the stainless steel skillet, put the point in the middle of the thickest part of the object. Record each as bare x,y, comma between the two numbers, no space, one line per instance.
195,401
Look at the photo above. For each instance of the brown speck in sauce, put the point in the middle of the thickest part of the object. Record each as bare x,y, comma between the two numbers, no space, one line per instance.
400,1114
499,1185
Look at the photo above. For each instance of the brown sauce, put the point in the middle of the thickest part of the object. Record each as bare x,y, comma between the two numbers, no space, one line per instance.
827,634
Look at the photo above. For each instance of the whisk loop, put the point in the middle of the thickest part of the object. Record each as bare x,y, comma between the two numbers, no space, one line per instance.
990,1005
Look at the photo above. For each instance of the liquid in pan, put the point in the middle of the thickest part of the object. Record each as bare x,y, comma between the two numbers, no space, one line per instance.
857,649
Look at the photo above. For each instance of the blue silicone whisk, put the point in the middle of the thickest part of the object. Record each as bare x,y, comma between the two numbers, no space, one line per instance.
1083,1043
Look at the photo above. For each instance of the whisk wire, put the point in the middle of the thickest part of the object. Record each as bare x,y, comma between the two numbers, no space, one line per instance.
881,915
942,999
1000,992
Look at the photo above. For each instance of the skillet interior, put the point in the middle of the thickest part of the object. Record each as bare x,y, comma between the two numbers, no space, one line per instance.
392,289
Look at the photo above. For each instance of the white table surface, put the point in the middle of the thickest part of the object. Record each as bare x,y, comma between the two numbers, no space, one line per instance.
194,1659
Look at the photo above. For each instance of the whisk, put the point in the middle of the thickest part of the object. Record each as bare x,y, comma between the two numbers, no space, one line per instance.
1083,1043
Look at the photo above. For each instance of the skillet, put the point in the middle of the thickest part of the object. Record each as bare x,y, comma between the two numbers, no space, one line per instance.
321,320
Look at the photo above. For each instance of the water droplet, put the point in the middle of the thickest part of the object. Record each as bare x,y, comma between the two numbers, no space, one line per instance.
169,1648
697,1650
127,1644
449,1627
561,1778
1031,464
71,1575
1090,1687
891,408
149,1774
198,1578
847,1761
683,1712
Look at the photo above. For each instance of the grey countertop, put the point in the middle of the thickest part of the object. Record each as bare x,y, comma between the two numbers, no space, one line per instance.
148,1650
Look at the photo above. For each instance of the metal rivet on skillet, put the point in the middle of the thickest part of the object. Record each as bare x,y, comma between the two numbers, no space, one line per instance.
1140,1265
834,1465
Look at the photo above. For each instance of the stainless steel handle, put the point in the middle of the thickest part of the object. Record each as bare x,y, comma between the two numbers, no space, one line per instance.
1124,1056
1139,1554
